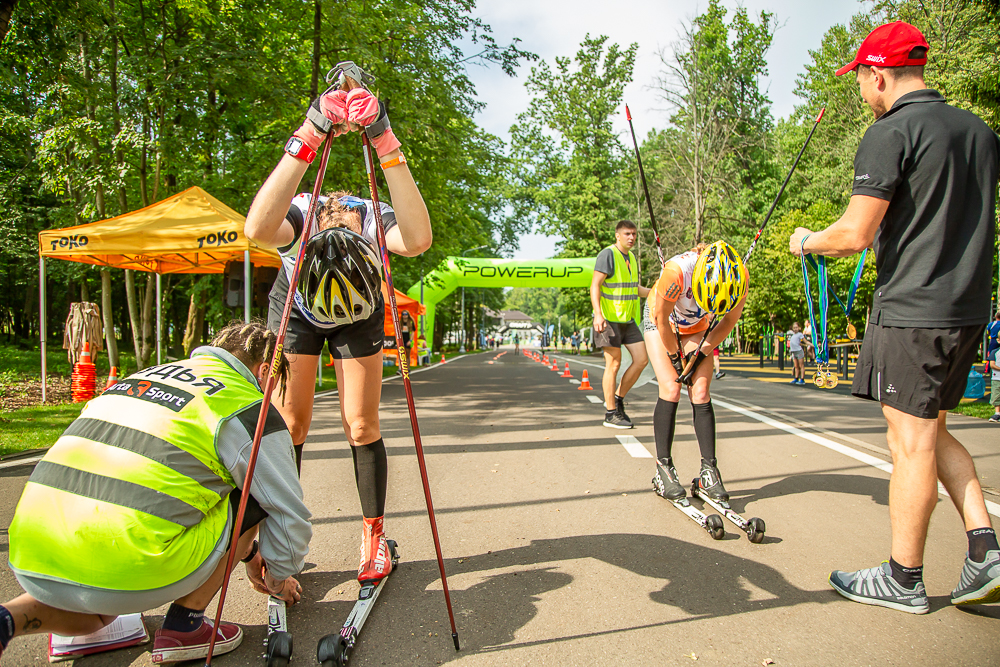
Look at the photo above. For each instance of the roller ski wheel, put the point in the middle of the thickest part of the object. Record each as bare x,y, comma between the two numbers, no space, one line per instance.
754,528
278,651
334,650
715,527
278,644
711,523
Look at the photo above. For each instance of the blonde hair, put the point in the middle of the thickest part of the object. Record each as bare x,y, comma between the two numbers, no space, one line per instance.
699,248
333,214
253,343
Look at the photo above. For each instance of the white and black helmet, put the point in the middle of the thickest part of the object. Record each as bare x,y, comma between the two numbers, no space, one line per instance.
341,280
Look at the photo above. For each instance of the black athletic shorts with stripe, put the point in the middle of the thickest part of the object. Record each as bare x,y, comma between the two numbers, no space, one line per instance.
916,371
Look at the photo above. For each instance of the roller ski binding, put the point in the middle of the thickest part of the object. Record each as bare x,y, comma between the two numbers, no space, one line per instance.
708,487
278,644
666,486
334,650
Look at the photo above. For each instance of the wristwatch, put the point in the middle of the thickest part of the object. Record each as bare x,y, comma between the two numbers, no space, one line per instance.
299,150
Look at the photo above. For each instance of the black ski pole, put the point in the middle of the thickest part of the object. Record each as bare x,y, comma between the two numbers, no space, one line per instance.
692,365
269,388
645,188
405,369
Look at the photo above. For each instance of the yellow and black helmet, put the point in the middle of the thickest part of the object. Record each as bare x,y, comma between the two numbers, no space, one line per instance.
720,280
341,279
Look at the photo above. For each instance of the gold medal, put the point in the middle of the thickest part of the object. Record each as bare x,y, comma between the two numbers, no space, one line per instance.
819,379
832,379
852,333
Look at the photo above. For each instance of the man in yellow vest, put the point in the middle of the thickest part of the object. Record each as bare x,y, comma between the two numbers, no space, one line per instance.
134,505
614,293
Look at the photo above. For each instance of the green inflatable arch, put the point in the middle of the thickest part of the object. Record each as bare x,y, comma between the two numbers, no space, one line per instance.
456,272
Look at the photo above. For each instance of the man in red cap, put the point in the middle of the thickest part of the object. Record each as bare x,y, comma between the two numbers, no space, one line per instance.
924,194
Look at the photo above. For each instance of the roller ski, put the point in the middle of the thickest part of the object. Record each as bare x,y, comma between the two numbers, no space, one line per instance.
709,488
378,560
278,644
666,486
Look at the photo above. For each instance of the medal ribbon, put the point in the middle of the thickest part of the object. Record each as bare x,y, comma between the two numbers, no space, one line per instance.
823,353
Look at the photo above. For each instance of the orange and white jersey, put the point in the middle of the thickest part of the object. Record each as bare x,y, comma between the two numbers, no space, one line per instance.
674,284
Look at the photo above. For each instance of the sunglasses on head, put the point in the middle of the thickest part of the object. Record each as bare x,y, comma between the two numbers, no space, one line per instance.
352,202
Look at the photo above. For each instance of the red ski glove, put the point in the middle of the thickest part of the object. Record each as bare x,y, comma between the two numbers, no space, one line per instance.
327,113
366,110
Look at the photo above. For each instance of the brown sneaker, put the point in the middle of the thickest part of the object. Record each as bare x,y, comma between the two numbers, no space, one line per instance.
170,646
376,563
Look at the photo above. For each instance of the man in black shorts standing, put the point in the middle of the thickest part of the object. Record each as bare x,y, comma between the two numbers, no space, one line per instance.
925,187
614,293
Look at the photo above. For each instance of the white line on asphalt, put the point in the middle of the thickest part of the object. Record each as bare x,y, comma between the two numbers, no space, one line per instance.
634,447
574,382
594,399
991,506
390,378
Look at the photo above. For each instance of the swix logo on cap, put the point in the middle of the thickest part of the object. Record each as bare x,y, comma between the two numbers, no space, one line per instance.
875,59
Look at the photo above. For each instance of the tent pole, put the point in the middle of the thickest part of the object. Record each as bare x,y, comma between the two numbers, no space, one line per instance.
247,292
159,319
41,320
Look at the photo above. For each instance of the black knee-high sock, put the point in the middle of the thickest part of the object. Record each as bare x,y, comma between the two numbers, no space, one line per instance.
371,472
664,419
298,457
704,428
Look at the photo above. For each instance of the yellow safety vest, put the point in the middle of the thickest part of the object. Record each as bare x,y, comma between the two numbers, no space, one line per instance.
133,495
620,291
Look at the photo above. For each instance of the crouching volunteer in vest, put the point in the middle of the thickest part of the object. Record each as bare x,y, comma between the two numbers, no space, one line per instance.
693,287
614,293
133,507
338,299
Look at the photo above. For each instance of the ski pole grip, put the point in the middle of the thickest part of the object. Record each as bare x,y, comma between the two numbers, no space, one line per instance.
628,114
820,116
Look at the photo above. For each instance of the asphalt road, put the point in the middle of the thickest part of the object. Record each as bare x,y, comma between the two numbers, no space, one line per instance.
559,553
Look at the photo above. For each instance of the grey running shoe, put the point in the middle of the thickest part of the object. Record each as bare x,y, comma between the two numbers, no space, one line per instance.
995,419
710,482
665,482
980,582
876,586
615,419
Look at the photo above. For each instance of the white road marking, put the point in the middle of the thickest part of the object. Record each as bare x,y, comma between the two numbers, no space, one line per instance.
594,399
574,382
634,447
992,507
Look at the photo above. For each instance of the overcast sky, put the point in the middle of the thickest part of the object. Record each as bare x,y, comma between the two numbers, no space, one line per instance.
553,28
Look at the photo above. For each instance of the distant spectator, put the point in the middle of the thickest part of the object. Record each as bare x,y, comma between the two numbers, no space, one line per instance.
795,337
994,359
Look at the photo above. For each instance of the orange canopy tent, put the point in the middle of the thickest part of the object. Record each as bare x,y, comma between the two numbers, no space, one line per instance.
415,309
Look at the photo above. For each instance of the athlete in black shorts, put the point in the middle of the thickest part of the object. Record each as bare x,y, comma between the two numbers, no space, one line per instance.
924,193
335,304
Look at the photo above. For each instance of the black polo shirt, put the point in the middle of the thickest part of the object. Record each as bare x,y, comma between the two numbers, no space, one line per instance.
937,166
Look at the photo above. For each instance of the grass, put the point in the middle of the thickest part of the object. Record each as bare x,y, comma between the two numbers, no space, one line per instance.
35,427
981,410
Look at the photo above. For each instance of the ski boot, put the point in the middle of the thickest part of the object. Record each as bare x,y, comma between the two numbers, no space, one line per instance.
376,563
710,483
665,482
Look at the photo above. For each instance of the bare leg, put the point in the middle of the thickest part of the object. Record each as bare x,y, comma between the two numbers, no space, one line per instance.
634,370
913,484
612,362
957,472
666,376
296,406
359,384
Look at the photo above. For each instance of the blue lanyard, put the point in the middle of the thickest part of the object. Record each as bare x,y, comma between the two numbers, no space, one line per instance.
823,352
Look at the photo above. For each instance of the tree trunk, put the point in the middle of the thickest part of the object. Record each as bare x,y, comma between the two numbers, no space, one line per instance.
106,312
84,290
6,10
195,322
133,315
317,31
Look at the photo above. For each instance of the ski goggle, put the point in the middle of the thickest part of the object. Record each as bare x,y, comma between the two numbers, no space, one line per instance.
352,202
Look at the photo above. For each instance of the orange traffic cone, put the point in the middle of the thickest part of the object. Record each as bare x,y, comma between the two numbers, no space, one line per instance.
331,362
112,377
566,373
443,360
555,366
83,380
545,359
585,384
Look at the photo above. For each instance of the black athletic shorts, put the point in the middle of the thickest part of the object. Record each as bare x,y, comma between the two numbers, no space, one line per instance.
616,334
916,371
351,341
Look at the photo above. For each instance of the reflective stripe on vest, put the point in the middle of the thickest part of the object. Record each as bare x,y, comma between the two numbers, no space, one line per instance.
133,496
620,291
